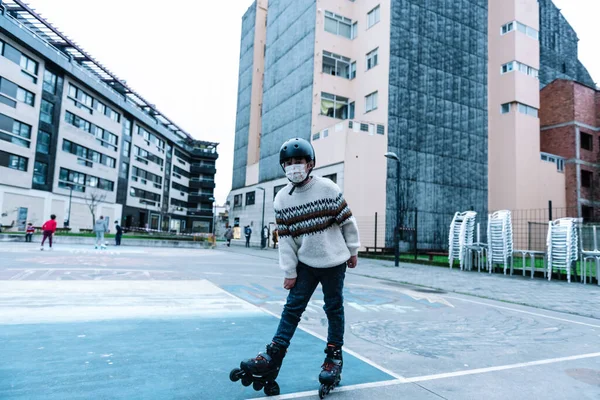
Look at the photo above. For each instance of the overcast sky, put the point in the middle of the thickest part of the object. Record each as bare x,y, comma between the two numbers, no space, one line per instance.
183,56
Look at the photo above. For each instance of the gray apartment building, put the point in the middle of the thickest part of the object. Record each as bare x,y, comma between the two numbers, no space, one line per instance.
72,134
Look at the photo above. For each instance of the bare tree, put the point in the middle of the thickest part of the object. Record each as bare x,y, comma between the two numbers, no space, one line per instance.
92,200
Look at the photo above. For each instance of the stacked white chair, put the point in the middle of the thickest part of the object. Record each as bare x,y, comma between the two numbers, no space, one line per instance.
562,242
500,239
461,235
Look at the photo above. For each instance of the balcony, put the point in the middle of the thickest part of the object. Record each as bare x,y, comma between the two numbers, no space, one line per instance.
202,184
198,168
204,153
195,197
200,212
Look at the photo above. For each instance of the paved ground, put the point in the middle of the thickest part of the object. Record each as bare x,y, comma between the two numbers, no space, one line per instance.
160,323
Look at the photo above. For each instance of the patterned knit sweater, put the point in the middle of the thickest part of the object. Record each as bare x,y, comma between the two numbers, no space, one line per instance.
316,226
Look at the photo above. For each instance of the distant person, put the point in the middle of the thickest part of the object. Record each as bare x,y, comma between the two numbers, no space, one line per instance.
100,229
48,228
229,236
248,233
29,232
265,237
119,233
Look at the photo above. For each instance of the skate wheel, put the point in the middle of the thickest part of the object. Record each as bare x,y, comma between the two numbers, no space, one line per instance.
256,385
323,391
246,380
234,375
272,389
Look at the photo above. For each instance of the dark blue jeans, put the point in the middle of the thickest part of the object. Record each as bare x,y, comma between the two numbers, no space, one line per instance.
332,281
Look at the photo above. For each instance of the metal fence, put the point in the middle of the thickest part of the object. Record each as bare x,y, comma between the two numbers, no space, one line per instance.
428,231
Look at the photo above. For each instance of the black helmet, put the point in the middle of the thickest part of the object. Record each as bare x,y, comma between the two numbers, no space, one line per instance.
296,148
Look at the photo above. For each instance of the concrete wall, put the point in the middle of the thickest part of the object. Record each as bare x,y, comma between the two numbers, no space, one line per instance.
438,110
559,48
258,69
288,83
244,102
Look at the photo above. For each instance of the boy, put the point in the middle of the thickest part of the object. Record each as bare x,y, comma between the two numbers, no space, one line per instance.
49,228
119,234
100,228
29,232
318,238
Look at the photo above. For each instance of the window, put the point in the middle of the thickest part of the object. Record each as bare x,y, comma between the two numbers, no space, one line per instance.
587,141
142,194
354,32
525,109
517,66
99,106
371,102
29,65
127,127
507,28
380,130
334,106
126,148
144,156
338,25
124,171
353,70
237,200
373,17
78,181
88,156
49,84
332,177
80,98
46,112
372,59
43,142
351,109
21,129
112,114
508,67
250,198
505,108
25,96
586,178
40,173
336,65
17,162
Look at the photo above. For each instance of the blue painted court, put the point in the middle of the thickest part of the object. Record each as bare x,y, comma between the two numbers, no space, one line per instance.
160,357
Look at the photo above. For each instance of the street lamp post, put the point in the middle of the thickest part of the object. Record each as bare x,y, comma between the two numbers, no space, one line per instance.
214,214
69,214
263,240
394,156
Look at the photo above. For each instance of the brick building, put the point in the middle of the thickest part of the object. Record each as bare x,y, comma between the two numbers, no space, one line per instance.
570,136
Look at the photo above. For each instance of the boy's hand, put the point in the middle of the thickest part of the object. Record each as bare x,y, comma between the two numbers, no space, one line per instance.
352,262
289,283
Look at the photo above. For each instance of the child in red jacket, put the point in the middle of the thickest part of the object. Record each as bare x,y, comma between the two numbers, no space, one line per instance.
49,228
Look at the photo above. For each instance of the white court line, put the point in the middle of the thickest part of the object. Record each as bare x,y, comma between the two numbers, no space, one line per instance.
371,363
437,376
525,312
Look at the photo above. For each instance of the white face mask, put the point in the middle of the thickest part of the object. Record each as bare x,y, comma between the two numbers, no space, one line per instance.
296,172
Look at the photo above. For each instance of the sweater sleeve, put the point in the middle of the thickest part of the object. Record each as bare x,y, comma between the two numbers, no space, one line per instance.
288,249
347,222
